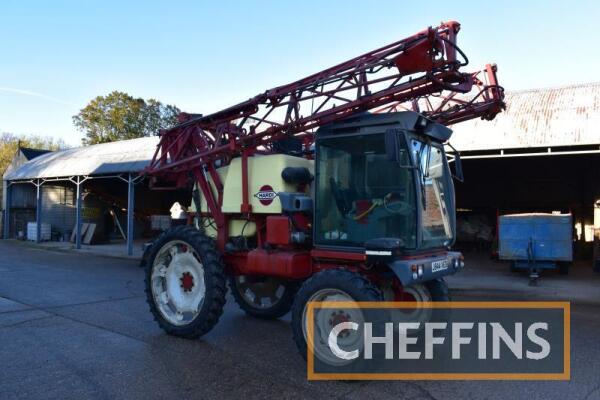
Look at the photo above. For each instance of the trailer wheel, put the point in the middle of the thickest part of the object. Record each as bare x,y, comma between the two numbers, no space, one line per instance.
263,297
185,282
329,285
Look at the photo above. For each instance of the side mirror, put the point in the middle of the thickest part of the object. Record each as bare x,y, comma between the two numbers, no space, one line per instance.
458,171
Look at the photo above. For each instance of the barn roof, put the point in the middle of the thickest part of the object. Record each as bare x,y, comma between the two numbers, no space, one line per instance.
29,153
552,117
99,159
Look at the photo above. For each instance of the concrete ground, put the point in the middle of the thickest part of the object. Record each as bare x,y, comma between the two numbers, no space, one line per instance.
493,279
115,249
76,325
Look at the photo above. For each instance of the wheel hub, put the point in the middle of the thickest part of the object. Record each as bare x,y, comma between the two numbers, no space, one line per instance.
326,319
338,317
187,282
178,283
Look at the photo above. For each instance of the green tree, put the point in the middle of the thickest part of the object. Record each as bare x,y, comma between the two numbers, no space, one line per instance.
119,116
9,143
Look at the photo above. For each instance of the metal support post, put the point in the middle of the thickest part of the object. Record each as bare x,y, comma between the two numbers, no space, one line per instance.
130,210
6,225
38,212
78,223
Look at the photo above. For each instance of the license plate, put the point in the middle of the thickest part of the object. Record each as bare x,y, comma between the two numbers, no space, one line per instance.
440,265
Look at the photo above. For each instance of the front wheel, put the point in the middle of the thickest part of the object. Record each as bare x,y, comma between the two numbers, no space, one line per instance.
329,285
185,282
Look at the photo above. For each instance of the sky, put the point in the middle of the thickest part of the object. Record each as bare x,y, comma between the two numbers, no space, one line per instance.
202,56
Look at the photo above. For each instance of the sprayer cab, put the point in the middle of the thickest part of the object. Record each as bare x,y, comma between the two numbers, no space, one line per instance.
384,176
383,184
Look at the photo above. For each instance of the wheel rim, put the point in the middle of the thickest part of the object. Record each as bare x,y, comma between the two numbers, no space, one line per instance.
178,283
325,319
260,292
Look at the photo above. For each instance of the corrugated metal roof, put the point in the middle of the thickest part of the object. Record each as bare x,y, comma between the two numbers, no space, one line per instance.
99,159
551,117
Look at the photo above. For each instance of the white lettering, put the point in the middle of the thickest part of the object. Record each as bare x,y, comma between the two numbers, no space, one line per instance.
403,353
482,340
543,343
387,340
457,339
430,340
333,345
515,345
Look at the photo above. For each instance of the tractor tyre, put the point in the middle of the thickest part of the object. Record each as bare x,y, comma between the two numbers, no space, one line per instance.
433,290
328,285
185,282
438,290
263,297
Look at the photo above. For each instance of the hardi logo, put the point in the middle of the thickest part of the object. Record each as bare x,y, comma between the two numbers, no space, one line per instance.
265,195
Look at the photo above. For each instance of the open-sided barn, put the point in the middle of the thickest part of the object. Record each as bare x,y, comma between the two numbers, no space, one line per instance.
540,155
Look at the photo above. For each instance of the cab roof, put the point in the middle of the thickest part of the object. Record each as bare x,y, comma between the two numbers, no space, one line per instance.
373,123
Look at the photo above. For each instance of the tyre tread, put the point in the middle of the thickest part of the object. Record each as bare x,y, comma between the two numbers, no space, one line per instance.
214,276
339,278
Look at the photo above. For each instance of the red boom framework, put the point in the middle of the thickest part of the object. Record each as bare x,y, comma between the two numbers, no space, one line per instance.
419,73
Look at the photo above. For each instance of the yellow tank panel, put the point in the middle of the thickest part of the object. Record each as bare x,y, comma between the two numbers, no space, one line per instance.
264,182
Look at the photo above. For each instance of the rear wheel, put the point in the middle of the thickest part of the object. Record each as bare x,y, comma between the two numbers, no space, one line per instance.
329,285
185,282
262,296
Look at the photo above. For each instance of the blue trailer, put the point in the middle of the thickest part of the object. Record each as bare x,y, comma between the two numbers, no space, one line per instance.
536,241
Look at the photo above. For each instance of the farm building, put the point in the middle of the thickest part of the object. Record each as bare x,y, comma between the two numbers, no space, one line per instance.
540,155
22,155
115,202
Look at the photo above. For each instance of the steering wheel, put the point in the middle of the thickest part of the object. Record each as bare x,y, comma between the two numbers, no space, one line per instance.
395,206
338,197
